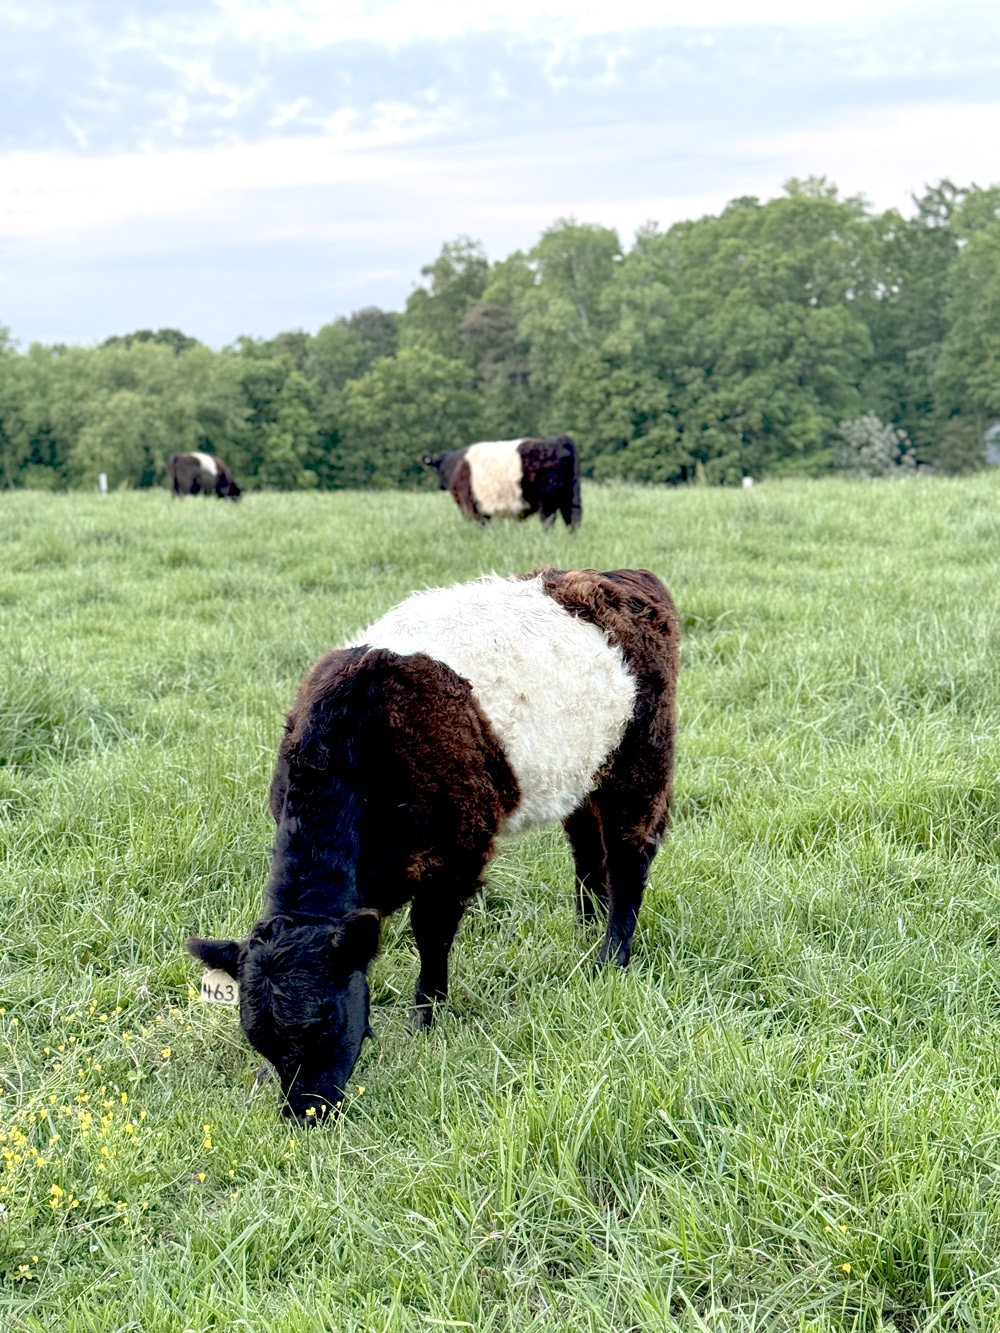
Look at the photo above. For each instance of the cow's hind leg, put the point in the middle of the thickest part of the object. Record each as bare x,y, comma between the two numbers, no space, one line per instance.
590,858
434,921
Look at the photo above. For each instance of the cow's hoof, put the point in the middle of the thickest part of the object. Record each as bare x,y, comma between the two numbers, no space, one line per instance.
264,1075
420,1017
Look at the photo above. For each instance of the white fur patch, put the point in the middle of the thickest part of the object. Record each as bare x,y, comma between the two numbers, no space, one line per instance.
557,694
207,463
495,467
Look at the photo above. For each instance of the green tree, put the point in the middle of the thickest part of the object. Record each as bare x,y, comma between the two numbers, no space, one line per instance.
279,443
491,334
564,313
379,329
735,345
418,402
456,280
338,353
967,377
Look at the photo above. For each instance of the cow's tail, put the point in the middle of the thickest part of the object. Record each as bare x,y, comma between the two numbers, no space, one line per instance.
575,508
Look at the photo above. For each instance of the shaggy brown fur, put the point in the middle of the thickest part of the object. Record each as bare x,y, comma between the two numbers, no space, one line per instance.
391,786
550,479
616,833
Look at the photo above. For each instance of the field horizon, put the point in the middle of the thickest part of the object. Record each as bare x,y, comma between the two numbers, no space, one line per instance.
785,1115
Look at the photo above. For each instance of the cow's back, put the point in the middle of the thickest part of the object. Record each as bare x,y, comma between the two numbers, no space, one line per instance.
556,691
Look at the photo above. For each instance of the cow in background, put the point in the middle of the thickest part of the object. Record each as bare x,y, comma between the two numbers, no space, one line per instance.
513,477
200,474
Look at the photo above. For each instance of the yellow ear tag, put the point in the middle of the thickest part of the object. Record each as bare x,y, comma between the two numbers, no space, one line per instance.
218,987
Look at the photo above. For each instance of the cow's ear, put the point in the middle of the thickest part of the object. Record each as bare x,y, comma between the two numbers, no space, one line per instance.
427,460
356,937
223,954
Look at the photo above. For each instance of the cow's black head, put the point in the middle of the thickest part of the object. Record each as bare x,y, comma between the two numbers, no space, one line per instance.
231,491
434,461
303,1001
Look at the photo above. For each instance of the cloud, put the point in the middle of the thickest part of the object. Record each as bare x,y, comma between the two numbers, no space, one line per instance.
285,233
96,77
247,165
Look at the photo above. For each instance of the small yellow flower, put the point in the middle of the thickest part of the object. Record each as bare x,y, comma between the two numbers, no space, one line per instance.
844,1230
34,1258
201,1176
56,1191
311,1110
361,1090
846,1267
126,1036
124,1098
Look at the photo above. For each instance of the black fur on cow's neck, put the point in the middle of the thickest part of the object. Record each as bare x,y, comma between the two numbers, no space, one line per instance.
314,868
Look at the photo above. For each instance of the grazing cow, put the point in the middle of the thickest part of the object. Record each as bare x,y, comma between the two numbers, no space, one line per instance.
464,713
513,477
197,473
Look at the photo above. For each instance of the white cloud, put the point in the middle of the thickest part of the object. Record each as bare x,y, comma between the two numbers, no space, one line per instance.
61,193
398,21
489,186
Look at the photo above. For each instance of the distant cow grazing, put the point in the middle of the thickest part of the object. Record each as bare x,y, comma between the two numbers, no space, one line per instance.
200,474
513,477
464,713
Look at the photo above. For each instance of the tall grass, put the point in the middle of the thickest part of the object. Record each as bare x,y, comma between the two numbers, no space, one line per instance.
784,1116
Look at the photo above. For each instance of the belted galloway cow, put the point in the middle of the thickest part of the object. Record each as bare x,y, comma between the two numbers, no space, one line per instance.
200,474
462,714
513,477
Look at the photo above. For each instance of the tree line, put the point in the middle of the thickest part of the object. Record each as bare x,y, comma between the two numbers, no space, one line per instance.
759,341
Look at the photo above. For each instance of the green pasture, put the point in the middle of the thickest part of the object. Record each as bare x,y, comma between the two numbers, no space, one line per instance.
784,1116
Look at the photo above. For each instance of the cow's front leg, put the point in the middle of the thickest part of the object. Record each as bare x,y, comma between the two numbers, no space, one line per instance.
628,866
434,921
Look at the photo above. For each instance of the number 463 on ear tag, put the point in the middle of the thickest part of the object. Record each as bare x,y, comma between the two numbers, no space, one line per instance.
218,987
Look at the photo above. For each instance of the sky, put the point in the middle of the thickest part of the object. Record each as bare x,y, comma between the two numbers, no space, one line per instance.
233,167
